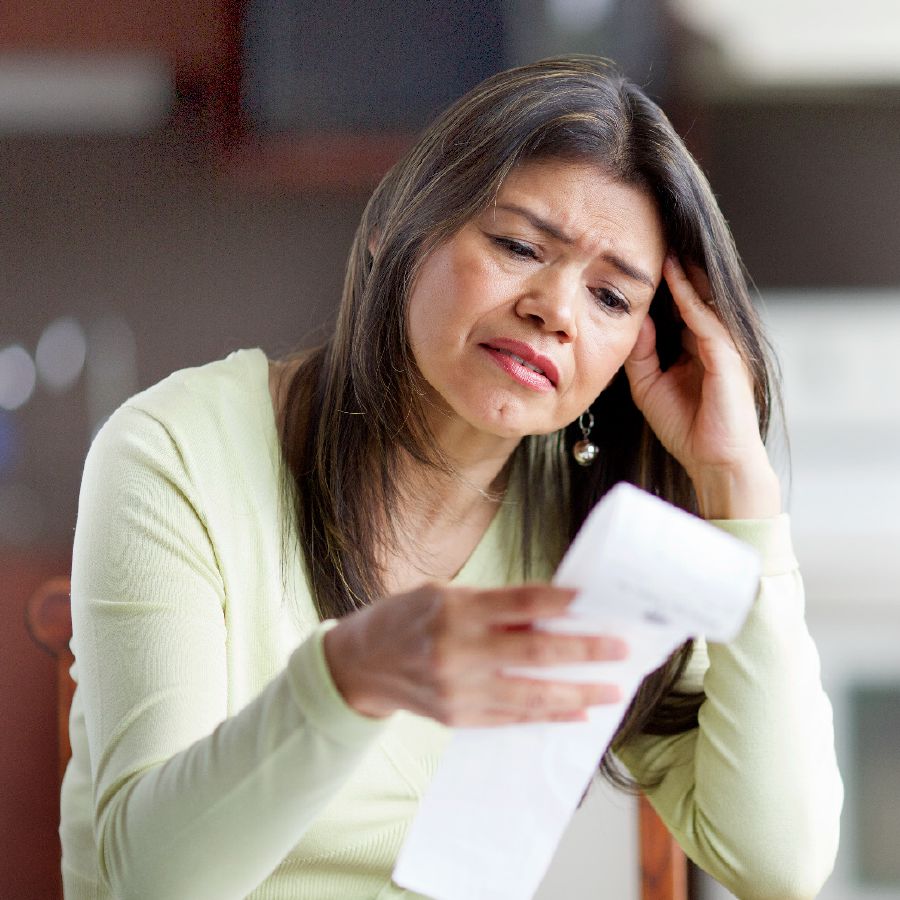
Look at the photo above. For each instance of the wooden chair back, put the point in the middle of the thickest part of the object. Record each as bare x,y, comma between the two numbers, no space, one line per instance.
664,869
49,620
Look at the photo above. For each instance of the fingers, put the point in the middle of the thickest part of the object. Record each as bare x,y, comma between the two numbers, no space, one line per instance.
523,604
534,696
485,633
496,628
544,648
691,292
642,365
516,700
705,337
689,343
444,651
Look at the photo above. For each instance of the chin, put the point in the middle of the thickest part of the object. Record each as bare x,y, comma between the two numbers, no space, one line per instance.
510,421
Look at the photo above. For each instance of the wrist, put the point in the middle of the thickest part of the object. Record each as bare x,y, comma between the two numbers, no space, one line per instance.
738,492
342,648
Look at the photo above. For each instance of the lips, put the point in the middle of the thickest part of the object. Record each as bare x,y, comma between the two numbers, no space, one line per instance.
526,357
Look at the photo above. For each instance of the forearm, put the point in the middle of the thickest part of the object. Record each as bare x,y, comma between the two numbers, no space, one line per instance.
215,819
754,793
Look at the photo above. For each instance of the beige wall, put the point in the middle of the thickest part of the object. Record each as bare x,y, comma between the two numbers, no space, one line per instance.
146,230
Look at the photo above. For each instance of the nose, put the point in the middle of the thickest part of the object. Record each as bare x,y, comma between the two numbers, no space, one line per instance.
550,301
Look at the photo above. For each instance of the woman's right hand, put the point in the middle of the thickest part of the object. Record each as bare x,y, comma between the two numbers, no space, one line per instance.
440,651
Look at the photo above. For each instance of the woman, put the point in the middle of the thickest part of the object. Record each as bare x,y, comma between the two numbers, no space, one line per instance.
289,578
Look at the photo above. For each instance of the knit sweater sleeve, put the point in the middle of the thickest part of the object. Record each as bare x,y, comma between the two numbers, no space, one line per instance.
188,801
753,794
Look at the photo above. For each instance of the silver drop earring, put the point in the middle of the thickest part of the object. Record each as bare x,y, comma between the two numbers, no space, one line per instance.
585,451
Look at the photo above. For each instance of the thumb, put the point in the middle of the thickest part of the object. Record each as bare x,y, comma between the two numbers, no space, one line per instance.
642,364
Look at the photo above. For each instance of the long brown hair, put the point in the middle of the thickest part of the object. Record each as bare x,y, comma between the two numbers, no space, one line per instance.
354,404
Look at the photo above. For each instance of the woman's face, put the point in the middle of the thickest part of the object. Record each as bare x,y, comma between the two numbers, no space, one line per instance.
522,318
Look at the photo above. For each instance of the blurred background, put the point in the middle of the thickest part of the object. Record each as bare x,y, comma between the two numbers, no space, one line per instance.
182,178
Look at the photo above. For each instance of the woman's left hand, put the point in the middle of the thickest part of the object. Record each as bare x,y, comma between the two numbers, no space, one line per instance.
702,408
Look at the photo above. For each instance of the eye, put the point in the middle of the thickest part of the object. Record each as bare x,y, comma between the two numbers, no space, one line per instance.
516,248
611,301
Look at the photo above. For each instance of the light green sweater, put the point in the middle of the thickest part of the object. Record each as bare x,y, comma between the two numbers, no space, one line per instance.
213,757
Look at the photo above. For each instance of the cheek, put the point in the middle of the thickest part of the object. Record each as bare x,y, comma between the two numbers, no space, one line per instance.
438,281
611,348
425,311
417,318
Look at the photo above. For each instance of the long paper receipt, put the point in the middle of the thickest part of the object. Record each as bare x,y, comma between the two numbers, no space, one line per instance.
502,797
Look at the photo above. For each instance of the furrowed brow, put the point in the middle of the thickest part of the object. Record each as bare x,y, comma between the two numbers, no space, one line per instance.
541,224
629,270
558,234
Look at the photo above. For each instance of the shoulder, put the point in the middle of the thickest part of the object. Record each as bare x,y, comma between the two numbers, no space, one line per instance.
204,422
240,378
205,409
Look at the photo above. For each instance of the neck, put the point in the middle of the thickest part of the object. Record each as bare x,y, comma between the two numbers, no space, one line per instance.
441,518
476,467
467,490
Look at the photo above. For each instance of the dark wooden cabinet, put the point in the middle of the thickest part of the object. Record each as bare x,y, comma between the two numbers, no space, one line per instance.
283,97
193,35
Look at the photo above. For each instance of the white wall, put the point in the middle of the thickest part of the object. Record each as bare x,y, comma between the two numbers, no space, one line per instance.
598,856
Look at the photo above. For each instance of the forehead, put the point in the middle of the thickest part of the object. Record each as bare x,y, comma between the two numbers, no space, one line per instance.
586,203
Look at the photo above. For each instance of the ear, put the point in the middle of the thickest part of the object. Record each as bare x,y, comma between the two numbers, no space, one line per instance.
372,243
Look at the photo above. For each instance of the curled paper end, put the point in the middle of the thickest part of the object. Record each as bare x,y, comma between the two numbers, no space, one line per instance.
502,797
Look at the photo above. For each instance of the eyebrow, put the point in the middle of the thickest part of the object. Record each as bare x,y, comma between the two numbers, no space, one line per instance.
558,234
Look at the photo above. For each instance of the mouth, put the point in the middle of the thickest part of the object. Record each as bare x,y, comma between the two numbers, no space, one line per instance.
524,363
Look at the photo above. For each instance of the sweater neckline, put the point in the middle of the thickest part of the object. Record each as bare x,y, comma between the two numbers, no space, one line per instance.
481,563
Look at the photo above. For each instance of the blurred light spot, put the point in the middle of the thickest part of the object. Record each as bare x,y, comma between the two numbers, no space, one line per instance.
17,377
21,514
10,443
579,15
828,42
60,354
71,93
